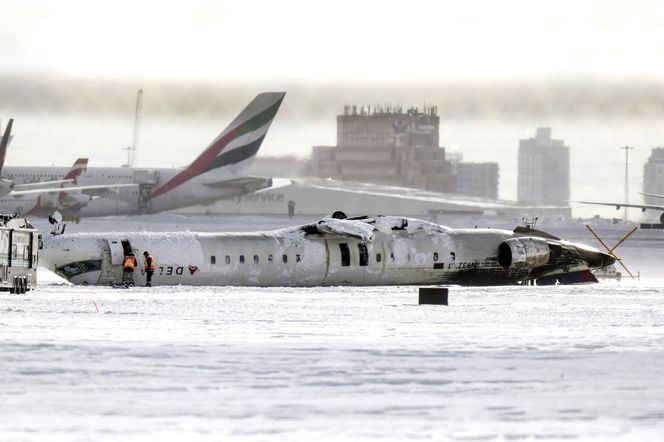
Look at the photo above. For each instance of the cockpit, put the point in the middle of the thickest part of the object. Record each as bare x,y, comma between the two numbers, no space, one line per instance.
70,270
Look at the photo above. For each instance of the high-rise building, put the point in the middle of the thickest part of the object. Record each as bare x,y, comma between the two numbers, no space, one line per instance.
386,145
653,175
477,179
543,170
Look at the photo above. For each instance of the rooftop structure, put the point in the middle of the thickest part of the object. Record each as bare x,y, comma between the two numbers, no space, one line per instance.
386,145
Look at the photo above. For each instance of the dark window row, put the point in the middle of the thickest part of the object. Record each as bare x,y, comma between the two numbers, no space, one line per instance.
364,255
256,259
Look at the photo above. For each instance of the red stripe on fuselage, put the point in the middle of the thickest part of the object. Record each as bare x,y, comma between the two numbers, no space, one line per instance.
199,165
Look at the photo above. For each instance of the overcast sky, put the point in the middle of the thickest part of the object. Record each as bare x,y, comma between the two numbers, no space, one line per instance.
341,40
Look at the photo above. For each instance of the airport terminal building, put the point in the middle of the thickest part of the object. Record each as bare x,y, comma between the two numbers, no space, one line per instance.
314,197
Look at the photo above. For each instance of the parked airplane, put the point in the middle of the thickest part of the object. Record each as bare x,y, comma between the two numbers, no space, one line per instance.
380,250
643,207
65,198
7,185
14,196
216,174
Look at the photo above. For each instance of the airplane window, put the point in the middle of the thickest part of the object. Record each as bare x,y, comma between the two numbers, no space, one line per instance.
435,256
392,256
90,266
345,254
213,259
378,257
269,259
297,258
285,258
228,259
255,259
364,255
241,259
69,270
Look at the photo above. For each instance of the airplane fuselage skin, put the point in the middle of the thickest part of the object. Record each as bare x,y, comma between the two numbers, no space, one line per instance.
419,253
120,201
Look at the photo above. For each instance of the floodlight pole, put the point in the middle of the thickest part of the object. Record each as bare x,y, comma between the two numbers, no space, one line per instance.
626,149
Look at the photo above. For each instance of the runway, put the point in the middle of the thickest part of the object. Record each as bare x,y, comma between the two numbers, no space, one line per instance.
219,363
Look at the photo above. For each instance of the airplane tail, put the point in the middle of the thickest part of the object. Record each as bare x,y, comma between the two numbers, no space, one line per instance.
68,199
80,166
236,147
6,138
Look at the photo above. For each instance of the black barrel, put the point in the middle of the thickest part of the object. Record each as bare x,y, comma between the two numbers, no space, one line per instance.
433,295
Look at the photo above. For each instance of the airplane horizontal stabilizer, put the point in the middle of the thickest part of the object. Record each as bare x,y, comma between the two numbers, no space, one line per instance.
243,182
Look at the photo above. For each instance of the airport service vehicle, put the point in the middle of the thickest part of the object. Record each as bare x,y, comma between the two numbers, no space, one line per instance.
217,173
18,254
377,250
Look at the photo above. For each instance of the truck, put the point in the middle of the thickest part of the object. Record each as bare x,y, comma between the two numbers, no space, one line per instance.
19,254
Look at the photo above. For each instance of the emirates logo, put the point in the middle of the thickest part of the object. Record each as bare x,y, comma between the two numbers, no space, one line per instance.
193,269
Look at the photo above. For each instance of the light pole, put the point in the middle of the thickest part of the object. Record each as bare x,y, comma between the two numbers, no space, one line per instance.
626,149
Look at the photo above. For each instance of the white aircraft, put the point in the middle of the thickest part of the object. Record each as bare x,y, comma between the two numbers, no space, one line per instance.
643,207
380,250
217,173
38,195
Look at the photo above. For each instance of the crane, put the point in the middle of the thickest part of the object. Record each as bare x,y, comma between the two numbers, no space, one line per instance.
137,125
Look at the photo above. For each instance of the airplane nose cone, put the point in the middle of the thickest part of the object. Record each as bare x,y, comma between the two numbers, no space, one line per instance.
599,260
593,257
606,259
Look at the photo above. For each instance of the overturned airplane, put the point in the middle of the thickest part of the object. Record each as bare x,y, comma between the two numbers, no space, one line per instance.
379,250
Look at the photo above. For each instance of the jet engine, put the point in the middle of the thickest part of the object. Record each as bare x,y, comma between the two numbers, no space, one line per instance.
73,199
6,186
524,253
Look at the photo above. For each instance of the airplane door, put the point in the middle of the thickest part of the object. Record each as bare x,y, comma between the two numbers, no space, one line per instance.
117,251
114,251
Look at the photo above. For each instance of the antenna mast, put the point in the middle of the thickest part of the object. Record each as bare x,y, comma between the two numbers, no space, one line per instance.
137,125
626,149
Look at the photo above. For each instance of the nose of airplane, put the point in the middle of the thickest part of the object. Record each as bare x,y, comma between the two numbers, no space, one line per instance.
594,258
606,259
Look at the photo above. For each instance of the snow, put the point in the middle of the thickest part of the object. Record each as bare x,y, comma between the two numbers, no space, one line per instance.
354,228
220,363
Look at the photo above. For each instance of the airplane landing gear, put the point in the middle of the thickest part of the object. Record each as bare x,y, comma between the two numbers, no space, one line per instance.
144,201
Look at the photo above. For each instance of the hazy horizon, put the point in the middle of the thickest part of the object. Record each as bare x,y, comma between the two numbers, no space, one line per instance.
496,71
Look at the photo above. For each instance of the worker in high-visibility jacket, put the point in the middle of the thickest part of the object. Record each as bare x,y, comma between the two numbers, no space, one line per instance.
148,266
128,266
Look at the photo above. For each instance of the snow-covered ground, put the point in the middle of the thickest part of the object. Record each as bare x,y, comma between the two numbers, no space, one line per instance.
220,363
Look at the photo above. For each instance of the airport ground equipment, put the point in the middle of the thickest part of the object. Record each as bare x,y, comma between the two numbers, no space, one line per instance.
19,254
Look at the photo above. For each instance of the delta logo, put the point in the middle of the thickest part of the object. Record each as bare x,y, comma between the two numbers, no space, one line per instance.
193,269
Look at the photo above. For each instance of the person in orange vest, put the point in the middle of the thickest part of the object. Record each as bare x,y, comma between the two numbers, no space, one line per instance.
148,266
128,266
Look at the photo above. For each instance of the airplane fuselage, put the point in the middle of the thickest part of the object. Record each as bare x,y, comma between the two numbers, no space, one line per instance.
400,251
120,201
